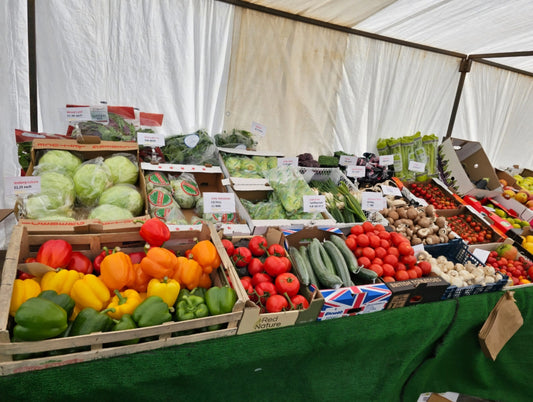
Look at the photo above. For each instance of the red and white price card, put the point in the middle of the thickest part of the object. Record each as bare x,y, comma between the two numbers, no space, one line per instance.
219,203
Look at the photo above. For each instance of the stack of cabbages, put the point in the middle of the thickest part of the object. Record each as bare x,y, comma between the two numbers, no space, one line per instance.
73,189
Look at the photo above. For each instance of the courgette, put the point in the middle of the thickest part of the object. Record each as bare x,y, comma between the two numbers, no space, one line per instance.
324,276
325,256
338,261
349,257
305,257
299,265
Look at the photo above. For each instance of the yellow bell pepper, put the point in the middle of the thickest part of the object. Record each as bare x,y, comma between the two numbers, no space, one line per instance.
167,289
61,281
23,289
124,303
90,291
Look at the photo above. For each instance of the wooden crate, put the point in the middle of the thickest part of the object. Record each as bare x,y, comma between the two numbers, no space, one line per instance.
23,245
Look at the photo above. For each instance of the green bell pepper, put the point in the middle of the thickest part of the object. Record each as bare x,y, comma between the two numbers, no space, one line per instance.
90,320
126,322
190,307
62,299
38,319
220,300
152,311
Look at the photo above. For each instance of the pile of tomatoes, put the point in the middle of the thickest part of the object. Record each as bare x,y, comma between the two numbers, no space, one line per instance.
433,195
389,254
265,273
470,229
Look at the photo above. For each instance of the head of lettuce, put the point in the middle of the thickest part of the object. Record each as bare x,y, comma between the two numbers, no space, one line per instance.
91,178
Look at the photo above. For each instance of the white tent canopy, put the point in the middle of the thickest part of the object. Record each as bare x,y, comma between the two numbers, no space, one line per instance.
319,75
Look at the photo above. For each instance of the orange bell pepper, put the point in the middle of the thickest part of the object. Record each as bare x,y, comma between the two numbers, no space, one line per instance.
189,272
167,289
123,303
140,284
116,270
61,280
159,262
206,254
90,291
23,289
205,281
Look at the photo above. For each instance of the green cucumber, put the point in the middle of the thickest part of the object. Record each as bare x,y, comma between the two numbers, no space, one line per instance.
325,256
366,275
324,276
305,257
349,257
338,261
299,266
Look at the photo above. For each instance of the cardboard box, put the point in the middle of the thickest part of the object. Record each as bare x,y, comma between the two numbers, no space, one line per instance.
87,151
462,163
416,291
448,195
23,245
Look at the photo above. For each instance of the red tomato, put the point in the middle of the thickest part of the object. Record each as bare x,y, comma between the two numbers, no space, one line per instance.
384,235
287,262
363,262
351,242
425,266
397,238
388,279
242,256
393,251
357,230
368,226
369,253
247,284
264,291
390,259
380,252
258,245
385,244
358,252
261,277
228,245
363,240
287,283
405,248
388,270
409,260
377,269
400,267
401,275
379,227
276,303
277,250
299,302
412,273
418,270
255,266
377,261
374,240
274,265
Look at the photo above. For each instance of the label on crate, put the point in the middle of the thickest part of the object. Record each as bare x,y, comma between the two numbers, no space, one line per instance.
355,171
314,203
386,160
25,185
287,162
373,201
481,254
419,167
219,203
151,139
259,129
391,190
347,160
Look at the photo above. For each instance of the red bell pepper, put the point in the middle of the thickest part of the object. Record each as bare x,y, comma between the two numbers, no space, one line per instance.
99,258
155,232
81,263
55,253
137,256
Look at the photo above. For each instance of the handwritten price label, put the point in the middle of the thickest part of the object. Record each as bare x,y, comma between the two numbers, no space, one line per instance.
419,167
347,160
222,203
25,185
355,171
150,139
386,160
372,201
287,161
314,203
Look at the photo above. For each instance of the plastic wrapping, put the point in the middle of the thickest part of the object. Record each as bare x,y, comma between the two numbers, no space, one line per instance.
161,204
125,196
91,178
185,190
123,168
197,148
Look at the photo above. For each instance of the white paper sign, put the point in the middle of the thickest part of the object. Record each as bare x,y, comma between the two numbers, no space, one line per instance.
259,129
372,201
151,139
355,171
481,254
24,185
347,160
418,248
287,161
215,203
74,114
314,203
419,167
386,160
391,190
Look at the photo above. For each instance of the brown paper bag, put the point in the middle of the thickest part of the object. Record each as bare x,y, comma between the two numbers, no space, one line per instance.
502,323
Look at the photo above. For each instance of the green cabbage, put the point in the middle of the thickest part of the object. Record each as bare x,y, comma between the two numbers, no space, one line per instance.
107,212
90,180
59,160
125,196
56,197
123,169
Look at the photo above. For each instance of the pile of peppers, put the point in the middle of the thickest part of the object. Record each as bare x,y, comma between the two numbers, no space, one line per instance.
117,291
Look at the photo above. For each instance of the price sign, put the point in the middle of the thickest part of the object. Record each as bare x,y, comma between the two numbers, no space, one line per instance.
386,160
355,171
372,201
391,190
314,203
151,139
215,203
419,167
25,185
259,129
287,161
347,160
481,254
418,248
74,114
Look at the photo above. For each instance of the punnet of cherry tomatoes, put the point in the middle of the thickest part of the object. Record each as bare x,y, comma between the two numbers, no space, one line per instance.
389,254
433,195
265,273
471,229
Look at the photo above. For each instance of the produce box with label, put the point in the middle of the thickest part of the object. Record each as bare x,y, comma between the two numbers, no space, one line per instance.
84,187
112,298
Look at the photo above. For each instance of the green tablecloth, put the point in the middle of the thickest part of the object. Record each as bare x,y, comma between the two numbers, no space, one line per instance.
392,355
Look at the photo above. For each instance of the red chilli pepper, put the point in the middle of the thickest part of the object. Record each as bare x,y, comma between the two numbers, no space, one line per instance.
155,232
55,253
81,263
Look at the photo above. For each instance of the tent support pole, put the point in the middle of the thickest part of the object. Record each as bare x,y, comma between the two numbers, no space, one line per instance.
464,68
32,62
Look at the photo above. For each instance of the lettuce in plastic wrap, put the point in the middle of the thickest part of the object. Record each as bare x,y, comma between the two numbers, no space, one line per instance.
108,212
157,180
91,178
126,196
123,168
56,197
289,186
185,190
58,160
161,204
